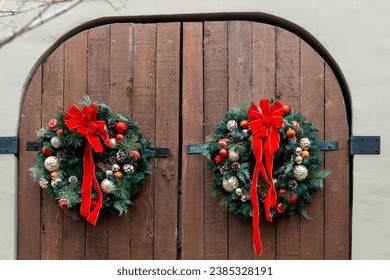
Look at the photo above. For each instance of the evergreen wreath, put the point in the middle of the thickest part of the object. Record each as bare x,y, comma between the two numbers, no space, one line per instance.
295,164
92,159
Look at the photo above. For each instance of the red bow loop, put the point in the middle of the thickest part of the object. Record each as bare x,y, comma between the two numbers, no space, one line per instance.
84,122
264,122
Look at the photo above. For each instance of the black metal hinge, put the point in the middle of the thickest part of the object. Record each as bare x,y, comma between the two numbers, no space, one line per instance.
9,145
364,145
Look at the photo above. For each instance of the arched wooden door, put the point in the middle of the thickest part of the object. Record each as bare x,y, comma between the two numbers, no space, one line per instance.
177,80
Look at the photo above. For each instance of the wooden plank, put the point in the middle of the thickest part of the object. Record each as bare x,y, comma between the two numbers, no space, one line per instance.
312,105
239,87
52,102
167,135
287,91
98,88
29,206
263,87
215,106
239,61
99,63
337,216
263,61
192,173
121,75
75,86
144,104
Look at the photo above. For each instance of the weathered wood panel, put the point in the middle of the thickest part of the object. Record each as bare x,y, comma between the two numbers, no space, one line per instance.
177,80
192,114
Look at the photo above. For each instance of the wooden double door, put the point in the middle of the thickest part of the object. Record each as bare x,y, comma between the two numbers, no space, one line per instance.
177,80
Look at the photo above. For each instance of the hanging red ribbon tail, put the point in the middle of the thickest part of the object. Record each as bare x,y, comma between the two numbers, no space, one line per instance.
264,123
85,123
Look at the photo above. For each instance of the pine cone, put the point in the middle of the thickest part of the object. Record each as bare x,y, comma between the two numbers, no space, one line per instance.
299,133
111,123
235,166
224,169
121,156
292,184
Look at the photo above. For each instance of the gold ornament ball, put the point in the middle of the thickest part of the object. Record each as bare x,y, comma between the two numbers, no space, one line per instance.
239,192
52,163
55,142
300,172
113,143
234,156
107,186
230,184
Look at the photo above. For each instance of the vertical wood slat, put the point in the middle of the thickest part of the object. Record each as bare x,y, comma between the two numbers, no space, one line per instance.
29,206
98,88
52,102
312,105
192,173
75,83
337,240
144,105
263,87
287,91
167,135
121,63
239,87
215,106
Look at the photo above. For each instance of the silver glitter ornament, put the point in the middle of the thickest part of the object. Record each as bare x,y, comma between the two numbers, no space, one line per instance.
43,183
128,168
72,179
300,172
52,163
107,186
232,124
109,172
244,198
239,192
230,184
305,143
298,159
115,167
55,142
298,151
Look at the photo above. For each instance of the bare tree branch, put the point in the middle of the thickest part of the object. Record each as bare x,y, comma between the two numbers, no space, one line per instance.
21,16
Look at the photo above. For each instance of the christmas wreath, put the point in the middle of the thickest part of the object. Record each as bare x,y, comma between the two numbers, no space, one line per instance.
272,141
91,159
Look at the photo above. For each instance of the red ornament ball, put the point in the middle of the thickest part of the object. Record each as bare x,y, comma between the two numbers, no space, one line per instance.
223,153
121,127
295,124
290,133
64,203
217,160
53,124
46,151
286,109
292,199
119,137
282,192
279,208
223,142
135,154
59,132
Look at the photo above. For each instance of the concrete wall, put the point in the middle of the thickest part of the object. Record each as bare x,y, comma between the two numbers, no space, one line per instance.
356,33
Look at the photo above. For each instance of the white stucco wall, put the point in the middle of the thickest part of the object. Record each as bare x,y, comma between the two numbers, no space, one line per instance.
355,32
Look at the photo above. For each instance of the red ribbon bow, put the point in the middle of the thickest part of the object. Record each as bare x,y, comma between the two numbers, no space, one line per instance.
264,122
84,122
